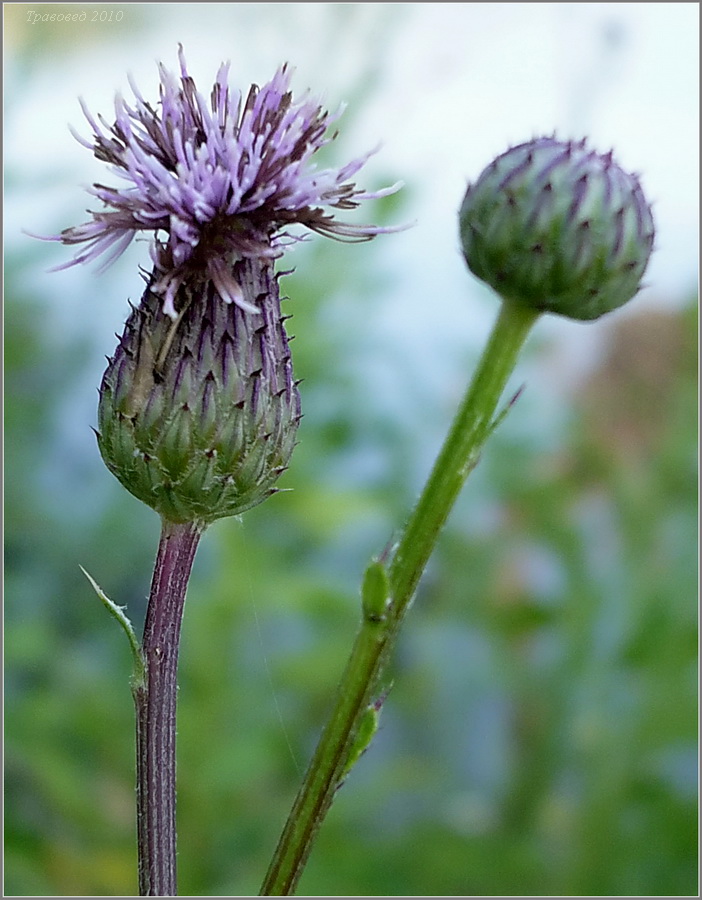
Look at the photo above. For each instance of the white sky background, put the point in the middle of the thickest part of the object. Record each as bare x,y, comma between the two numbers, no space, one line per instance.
453,84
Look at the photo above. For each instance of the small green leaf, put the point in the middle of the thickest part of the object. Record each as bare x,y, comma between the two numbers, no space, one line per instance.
367,728
375,592
138,678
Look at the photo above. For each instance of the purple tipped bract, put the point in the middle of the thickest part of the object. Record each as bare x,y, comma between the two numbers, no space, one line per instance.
215,182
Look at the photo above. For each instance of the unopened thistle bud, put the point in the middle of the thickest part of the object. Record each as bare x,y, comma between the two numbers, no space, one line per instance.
556,227
198,406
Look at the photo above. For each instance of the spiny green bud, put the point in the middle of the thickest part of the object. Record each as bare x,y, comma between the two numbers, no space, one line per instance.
198,415
559,228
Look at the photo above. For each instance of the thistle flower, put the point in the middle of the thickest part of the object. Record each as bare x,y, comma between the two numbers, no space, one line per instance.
198,406
556,227
220,181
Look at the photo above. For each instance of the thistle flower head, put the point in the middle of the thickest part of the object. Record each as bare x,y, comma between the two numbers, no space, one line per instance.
558,227
198,405
215,182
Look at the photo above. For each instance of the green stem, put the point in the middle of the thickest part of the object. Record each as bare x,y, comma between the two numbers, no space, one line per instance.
325,772
472,426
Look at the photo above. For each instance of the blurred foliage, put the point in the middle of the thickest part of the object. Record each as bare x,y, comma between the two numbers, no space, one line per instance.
540,732
539,737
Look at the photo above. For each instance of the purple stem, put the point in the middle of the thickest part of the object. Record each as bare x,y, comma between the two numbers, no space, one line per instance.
155,702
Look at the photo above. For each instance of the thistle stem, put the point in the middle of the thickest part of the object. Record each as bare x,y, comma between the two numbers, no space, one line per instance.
155,702
473,424
471,427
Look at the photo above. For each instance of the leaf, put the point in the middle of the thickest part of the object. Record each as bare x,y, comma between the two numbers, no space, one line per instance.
139,674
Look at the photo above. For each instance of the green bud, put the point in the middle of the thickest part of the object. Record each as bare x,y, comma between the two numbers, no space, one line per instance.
365,732
375,592
198,416
559,228
367,727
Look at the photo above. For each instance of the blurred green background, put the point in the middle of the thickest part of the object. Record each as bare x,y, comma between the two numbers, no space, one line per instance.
540,736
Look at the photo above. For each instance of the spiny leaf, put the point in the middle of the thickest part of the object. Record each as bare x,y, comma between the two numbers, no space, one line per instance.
138,678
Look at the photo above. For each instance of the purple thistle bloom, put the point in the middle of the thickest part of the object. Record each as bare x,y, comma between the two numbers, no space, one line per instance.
221,180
